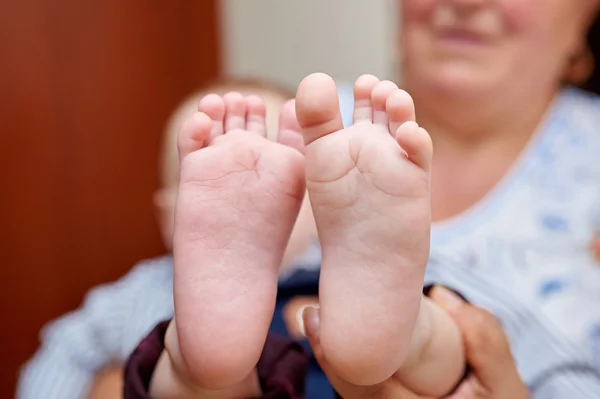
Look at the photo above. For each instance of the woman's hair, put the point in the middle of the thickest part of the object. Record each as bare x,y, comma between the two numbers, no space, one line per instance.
593,83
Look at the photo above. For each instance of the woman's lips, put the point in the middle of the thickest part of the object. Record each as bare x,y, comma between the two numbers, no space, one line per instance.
462,38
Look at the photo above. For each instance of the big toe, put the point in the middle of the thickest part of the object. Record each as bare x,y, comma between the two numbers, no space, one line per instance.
317,107
289,130
193,133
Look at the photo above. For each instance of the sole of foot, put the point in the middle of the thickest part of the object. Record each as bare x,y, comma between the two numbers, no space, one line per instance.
238,197
369,190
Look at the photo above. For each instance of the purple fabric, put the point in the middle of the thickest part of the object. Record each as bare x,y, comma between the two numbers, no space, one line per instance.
281,368
140,365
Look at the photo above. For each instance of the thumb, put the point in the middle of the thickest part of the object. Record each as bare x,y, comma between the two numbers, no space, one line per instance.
309,322
486,346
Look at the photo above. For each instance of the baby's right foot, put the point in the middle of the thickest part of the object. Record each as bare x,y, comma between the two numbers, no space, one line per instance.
238,197
369,189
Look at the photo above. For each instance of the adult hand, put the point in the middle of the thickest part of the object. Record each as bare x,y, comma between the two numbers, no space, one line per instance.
108,384
596,247
493,371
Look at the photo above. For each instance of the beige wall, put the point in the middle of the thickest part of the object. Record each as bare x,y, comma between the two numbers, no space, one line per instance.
284,40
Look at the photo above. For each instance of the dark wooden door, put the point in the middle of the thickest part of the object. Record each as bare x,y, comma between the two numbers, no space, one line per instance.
85,90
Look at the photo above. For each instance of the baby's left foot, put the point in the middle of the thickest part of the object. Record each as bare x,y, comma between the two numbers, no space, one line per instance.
369,189
238,197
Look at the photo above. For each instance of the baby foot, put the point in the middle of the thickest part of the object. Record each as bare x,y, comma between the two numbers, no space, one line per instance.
238,197
369,189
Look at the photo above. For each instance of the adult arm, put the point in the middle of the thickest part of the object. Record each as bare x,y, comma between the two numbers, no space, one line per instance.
81,345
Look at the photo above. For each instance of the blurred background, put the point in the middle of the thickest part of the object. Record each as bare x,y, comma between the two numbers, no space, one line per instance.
86,89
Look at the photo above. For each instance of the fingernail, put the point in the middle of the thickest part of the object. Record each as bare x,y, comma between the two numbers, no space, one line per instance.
308,320
448,298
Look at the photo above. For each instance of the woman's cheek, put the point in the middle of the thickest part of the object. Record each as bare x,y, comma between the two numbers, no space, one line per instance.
521,16
417,10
